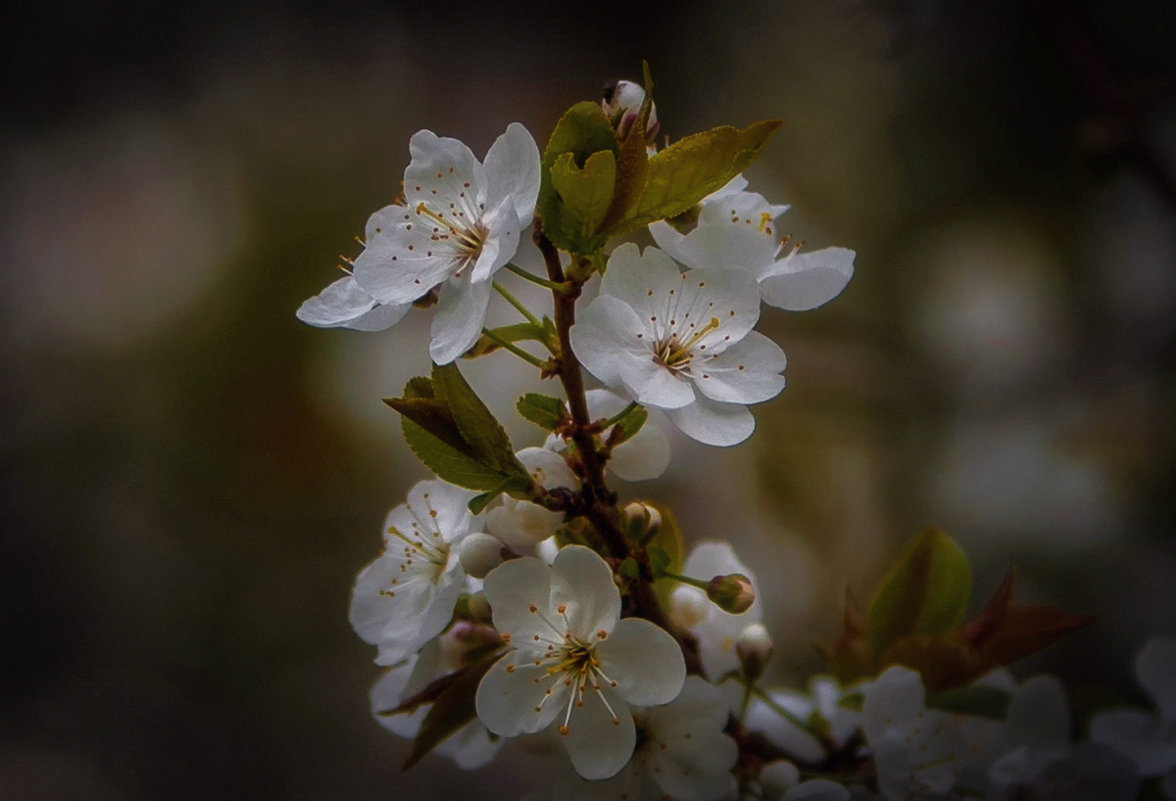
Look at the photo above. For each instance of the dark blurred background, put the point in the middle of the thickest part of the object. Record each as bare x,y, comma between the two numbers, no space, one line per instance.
191,478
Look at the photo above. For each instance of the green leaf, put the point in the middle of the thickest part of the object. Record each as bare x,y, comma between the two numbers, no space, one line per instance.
629,568
449,463
586,192
582,131
487,440
659,560
520,332
690,169
976,700
453,708
542,410
925,593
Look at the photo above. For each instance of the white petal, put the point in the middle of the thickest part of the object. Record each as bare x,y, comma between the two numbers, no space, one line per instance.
598,743
426,625
729,297
383,220
512,589
805,281
402,265
747,372
584,582
1038,716
343,304
442,507
605,336
387,693
471,746
512,170
728,246
501,242
1139,736
893,701
636,277
1156,669
669,238
441,170
714,423
511,692
783,733
644,661
646,456
522,524
457,322
654,384
548,467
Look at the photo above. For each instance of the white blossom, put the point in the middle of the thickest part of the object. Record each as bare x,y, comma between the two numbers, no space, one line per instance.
681,342
682,753
471,746
460,224
573,660
716,631
824,697
642,457
1148,739
405,597
737,229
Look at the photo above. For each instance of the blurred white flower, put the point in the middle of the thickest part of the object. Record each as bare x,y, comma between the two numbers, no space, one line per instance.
572,658
681,342
824,697
717,631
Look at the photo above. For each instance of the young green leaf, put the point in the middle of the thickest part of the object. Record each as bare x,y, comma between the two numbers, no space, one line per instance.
544,411
487,440
690,169
449,463
925,593
628,426
518,486
582,131
453,708
586,193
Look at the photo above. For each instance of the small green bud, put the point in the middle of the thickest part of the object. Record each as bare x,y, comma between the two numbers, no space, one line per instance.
732,593
640,521
754,648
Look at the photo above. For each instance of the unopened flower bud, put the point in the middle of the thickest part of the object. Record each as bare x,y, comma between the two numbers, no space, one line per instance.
732,593
640,521
754,648
479,607
622,102
479,554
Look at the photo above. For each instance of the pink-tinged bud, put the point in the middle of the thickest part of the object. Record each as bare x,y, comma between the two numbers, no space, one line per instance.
621,102
732,593
754,648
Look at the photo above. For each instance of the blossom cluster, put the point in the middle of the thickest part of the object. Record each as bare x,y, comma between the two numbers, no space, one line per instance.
516,600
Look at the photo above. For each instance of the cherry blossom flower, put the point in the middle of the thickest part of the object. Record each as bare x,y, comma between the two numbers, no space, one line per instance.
681,342
682,753
405,597
471,746
824,697
644,456
737,229
573,659
460,224
1149,740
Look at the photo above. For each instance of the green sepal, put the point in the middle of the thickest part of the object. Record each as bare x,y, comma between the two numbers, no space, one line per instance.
925,594
627,427
544,411
629,569
659,560
453,708
684,173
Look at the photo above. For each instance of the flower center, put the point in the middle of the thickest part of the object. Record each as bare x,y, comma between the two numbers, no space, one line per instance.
465,236
676,354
